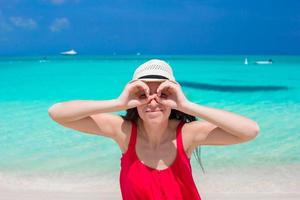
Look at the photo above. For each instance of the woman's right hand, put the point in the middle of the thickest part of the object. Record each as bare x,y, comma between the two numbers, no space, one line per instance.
134,94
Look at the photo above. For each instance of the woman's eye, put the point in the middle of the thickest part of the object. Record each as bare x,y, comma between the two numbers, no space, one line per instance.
163,95
142,95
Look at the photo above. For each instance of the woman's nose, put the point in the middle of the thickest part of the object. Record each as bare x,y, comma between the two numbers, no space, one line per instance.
153,99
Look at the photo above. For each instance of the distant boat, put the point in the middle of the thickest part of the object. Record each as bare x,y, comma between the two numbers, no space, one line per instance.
246,61
264,62
69,53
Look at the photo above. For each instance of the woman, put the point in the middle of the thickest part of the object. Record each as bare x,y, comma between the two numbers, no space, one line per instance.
158,134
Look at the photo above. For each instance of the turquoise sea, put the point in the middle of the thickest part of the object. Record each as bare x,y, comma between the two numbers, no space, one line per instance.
37,153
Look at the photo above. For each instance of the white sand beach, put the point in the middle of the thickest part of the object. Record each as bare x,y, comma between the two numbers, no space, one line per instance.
45,195
261,183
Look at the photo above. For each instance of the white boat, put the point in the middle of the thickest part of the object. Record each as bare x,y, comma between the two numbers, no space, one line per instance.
69,53
264,62
246,61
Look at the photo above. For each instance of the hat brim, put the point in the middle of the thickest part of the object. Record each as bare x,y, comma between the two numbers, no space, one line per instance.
152,80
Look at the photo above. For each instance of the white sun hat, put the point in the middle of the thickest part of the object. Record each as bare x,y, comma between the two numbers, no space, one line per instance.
154,70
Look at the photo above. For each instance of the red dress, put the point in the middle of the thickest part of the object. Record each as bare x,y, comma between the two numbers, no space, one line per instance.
141,182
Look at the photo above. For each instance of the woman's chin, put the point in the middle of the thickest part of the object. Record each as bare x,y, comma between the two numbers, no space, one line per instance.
154,115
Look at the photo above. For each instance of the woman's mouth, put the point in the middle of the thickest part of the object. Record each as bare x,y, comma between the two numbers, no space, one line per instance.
153,110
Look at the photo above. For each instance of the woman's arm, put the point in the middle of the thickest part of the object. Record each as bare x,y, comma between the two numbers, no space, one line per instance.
237,125
221,127
78,109
93,116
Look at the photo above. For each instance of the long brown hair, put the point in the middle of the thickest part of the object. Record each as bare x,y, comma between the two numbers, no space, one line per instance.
132,115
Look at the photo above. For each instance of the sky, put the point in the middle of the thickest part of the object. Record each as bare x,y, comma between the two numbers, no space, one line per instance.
117,27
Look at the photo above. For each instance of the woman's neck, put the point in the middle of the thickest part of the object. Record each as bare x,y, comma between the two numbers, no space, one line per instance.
154,133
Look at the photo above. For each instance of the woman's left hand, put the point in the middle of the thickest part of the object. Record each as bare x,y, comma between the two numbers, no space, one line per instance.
169,93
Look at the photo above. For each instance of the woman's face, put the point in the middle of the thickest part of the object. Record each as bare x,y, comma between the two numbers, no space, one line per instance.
153,111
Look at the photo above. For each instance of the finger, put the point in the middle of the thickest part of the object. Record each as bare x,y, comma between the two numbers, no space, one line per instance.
141,86
157,99
164,87
132,81
143,101
144,87
160,88
137,89
175,82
